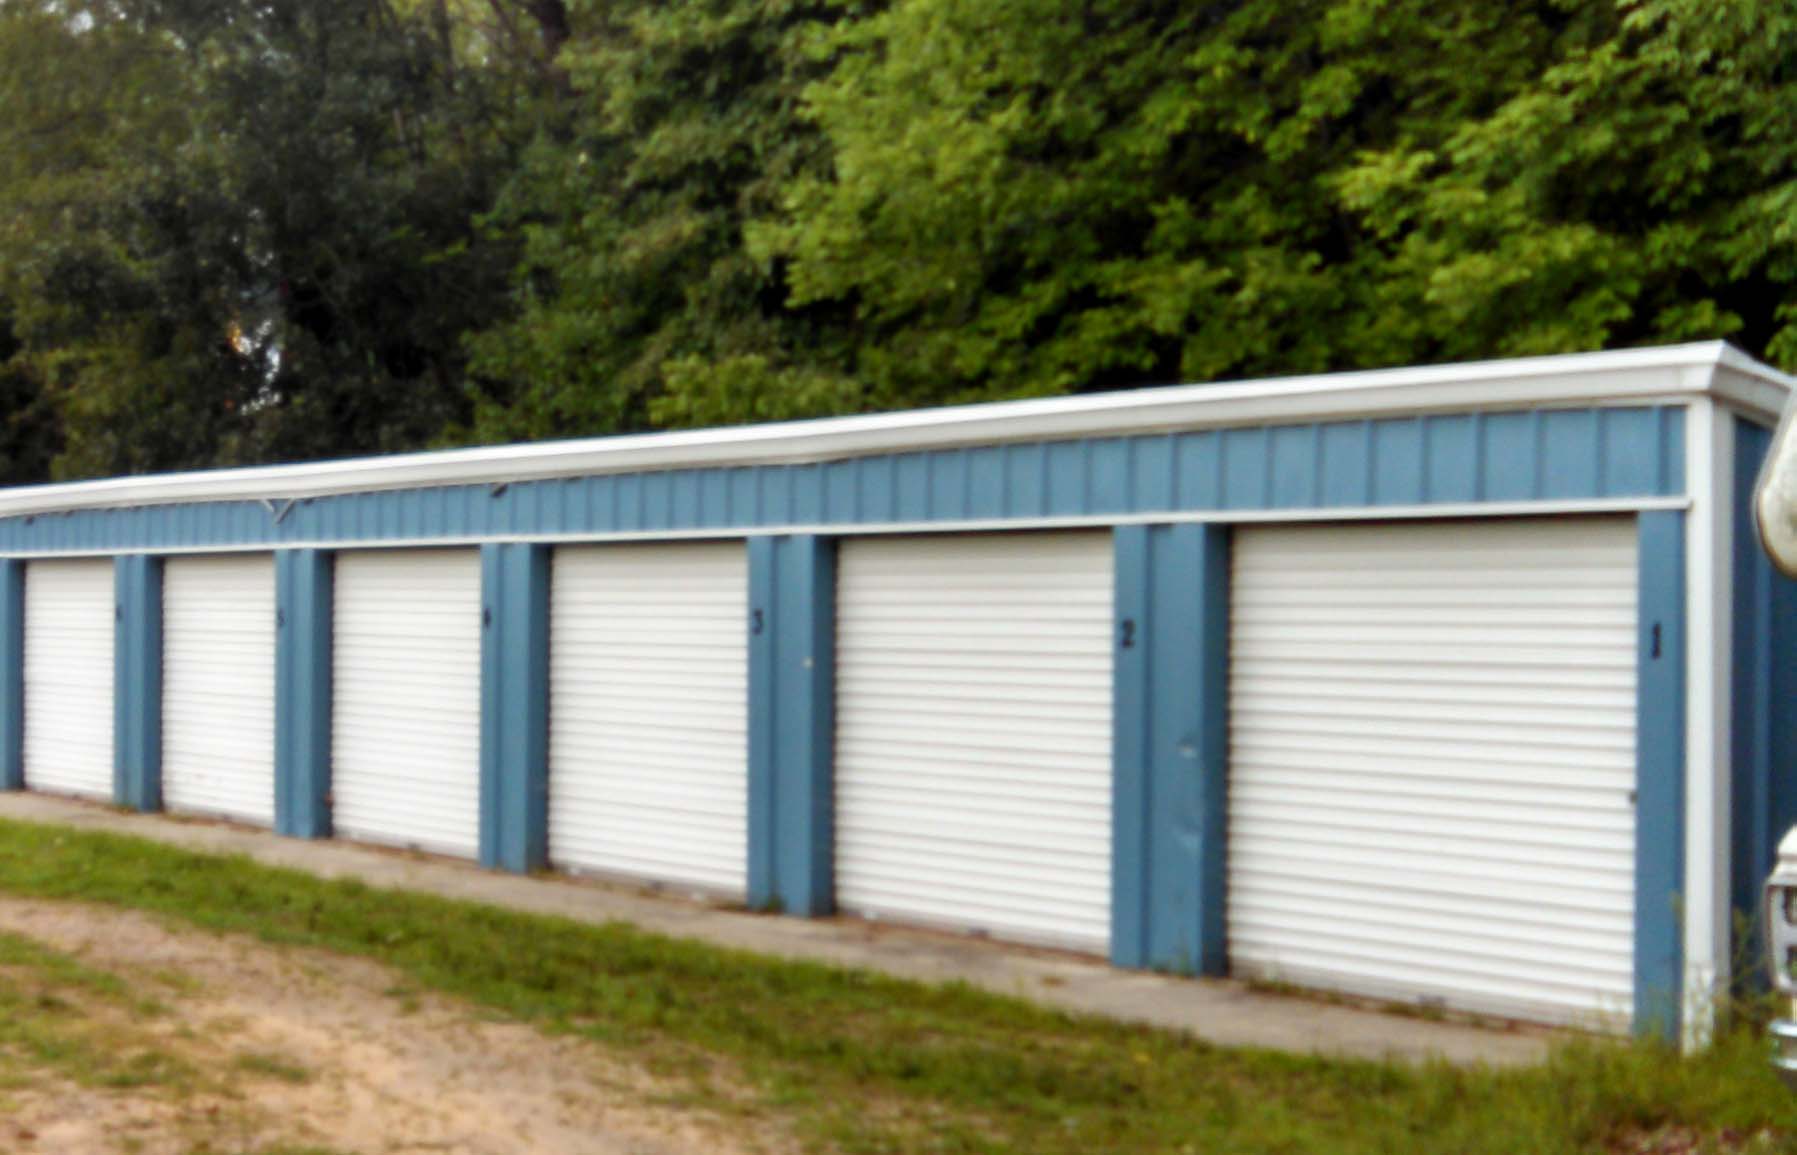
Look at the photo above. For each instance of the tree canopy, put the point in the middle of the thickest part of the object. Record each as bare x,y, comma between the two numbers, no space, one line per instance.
250,230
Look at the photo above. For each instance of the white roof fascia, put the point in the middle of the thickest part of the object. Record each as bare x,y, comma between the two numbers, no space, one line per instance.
1752,390
1671,375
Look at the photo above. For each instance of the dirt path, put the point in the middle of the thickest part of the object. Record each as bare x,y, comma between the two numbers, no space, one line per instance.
301,1050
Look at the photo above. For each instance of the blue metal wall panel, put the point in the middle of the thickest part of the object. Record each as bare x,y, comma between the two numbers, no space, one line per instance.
1763,725
1067,475
12,675
1198,464
1109,491
1296,462
986,482
1660,775
1452,452
1670,423
514,707
137,683
1571,454
774,490
1170,748
1246,468
1528,456
303,693
684,498
1346,464
792,724
1398,462
1509,457
1151,484
948,484
842,492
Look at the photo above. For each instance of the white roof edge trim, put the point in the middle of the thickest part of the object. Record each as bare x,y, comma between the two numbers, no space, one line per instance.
1666,374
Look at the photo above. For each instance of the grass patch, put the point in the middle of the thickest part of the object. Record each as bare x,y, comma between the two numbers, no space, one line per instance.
265,1066
60,1017
863,1063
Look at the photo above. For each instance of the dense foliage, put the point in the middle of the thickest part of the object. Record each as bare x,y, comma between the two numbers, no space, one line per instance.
247,230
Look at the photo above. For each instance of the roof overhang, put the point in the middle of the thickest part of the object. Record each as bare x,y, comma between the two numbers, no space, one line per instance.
1665,375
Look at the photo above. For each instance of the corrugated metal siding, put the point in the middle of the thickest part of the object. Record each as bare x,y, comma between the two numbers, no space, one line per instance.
1515,456
218,686
648,719
1763,727
69,619
973,739
405,718
1432,762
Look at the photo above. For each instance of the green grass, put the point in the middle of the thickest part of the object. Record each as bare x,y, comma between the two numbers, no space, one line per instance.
862,1063
273,1067
61,1017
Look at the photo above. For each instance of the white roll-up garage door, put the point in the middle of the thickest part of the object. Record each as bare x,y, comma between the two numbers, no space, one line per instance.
973,740
69,620
218,686
1432,762
405,713
648,717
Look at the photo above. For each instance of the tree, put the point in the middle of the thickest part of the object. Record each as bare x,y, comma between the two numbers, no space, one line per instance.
1031,198
30,432
249,233
1640,188
636,301
244,230
94,105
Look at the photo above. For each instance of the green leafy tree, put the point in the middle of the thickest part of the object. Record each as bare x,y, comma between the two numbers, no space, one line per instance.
248,229
1033,198
361,154
30,432
636,300
95,104
1030,197
243,230
1642,187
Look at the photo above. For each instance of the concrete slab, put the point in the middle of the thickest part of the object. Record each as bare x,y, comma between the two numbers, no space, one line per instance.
1226,1013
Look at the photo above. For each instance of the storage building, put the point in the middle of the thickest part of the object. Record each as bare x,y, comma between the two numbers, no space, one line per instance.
1462,685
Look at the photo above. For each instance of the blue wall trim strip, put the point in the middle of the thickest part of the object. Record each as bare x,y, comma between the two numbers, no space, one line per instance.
137,683
514,707
1763,726
1518,456
1130,725
792,659
763,805
303,693
12,675
1660,775
1171,749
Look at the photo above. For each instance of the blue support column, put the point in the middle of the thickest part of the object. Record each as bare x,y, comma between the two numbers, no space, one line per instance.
1660,776
514,707
792,660
137,683
12,674
303,693
1170,748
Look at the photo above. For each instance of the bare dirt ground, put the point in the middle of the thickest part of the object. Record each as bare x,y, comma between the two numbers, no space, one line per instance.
293,1051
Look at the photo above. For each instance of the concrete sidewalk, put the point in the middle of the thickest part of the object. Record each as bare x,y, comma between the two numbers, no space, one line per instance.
1221,1012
